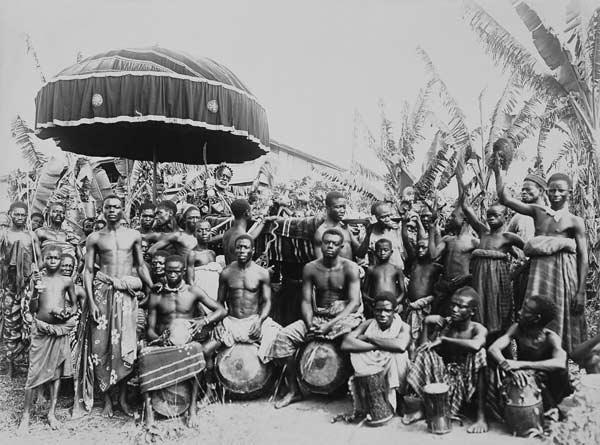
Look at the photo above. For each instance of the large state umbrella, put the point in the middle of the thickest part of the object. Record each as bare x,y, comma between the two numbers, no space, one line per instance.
152,104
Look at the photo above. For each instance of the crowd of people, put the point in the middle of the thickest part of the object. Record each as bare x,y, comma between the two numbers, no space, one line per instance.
475,304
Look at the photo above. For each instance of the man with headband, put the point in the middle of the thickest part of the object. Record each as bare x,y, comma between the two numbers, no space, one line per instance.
559,256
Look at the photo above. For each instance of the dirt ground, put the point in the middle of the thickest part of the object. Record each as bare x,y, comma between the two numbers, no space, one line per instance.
248,423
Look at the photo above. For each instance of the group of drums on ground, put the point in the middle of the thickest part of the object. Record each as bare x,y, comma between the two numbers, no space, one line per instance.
440,310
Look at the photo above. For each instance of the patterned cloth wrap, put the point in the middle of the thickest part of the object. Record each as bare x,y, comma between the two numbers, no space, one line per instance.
233,330
492,281
553,273
50,352
461,378
291,337
16,289
415,313
114,342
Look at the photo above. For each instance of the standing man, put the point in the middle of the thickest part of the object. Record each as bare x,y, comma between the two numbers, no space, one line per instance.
335,313
55,235
147,211
19,250
386,228
111,299
241,214
202,267
335,208
559,256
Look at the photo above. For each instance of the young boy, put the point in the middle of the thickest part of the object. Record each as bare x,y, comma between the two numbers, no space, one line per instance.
424,273
491,268
50,353
383,277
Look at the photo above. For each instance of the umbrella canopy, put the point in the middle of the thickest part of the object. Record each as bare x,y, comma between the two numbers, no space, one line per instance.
152,104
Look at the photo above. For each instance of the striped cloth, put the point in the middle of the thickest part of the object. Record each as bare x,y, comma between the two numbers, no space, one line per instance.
491,280
164,366
461,378
553,273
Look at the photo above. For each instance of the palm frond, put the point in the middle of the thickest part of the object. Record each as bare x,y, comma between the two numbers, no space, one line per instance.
190,185
448,172
352,182
527,121
369,174
25,139
506,51
593,48
501,119
48,178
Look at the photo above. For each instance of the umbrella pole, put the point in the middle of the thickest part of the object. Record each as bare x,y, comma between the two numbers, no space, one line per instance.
154,173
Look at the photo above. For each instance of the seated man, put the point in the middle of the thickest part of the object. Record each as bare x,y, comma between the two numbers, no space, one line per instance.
175,319
336,310
245,288
456,357
539,352
380,345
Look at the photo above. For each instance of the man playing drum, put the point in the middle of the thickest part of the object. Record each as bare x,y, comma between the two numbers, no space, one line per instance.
456,357
175,319
380,345
334,312
539,352
245,288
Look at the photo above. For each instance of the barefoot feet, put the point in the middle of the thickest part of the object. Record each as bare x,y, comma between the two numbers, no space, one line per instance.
413,417
480,426
289,398
53,421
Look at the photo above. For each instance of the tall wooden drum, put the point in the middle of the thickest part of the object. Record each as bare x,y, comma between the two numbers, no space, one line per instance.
323,368
523,409
435,401
240,371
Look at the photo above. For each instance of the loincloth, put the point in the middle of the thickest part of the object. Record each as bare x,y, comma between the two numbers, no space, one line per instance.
233,330
50,352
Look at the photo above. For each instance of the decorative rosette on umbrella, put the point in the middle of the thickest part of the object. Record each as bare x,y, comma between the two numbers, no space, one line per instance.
136,103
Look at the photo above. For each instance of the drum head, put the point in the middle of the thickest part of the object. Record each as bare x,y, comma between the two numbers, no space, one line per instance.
241,372
322,368
436,388
172,401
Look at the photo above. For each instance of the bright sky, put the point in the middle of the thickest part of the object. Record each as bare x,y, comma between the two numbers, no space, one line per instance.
311,63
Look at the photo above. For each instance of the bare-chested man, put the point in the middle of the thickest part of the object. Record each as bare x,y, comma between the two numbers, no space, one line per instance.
455,250
559,256
384,228
147,211
19,249
490,266
241,217
539,353
335,210
112,304
245,288
202,267
455,356
54,234
176,318
332,313
49,353
180,241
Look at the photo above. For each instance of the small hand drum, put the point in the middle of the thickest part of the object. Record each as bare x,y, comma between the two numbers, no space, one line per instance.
435,399
241,372
523,409
323,368
172,401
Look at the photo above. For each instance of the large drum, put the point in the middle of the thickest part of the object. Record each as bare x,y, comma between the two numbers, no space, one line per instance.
523,409
373,392
435,400
323,368
241,372
172,401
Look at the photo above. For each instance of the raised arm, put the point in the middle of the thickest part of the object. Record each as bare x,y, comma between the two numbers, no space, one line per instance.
436,249
507,200
163,241
361,249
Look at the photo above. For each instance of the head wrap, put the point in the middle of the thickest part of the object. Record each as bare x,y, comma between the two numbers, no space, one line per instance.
537,179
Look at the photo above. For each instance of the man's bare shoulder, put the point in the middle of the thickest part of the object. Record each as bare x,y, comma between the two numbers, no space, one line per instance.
349,266
477,328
